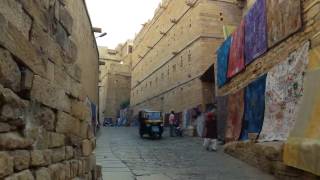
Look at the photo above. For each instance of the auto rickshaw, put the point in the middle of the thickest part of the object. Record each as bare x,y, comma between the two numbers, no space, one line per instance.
151,123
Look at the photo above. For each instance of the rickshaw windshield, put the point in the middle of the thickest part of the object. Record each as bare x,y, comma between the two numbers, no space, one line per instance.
154,115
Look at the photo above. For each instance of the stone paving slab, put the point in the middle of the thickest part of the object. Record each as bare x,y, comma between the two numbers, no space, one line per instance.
124,155
154,177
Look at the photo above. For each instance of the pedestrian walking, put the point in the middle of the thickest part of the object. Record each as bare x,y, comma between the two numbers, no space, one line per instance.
172,121
210,134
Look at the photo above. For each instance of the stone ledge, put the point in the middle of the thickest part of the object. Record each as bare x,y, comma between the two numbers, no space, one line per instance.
267,157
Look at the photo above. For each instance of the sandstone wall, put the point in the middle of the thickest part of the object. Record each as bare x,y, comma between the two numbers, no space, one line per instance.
174,49
115,77
45,122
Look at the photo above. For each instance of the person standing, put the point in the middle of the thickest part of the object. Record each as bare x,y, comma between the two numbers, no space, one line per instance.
172,120
210,141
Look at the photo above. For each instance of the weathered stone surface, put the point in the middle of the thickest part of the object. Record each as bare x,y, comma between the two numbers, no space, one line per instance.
50,71
49,94
10,75
84,127
81,168
67,124
14,107
42,174
74,71
93,142
69,152
11,178
65,19
38,158
6,164
13,11
56,140
62,79
43,91
14,41
47,156
63,101
26,79
39,136
86,147
23,175
61,37
58,154
80,110
4,127
14,140
42,41
85,164
92,161
57,171
74,168
44,117
21,159
35,9
67,168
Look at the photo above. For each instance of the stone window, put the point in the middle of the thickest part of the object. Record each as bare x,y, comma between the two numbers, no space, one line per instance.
181,61
174,68
189,56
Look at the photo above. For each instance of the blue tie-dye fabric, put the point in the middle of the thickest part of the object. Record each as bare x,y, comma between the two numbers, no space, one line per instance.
254,107
223,57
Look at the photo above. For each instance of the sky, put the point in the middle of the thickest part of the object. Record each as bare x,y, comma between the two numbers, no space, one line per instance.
121,19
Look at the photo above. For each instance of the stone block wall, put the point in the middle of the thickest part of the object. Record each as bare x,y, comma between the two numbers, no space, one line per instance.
45,122
268,157
174,49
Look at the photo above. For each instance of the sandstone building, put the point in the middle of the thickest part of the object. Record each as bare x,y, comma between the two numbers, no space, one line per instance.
48,80
175,49
115,80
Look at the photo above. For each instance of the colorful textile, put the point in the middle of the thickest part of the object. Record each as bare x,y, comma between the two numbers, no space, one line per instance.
236,57
223,56
255,31
222,113
254,107
283,19
284,90
303,146
235,116
228,30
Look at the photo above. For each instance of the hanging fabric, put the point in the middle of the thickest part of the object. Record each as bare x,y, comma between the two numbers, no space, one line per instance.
223,56
255,32
283,19
235,116
236,57
284,90
254,107
222,113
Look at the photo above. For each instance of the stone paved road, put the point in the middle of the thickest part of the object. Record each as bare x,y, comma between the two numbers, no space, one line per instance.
124,156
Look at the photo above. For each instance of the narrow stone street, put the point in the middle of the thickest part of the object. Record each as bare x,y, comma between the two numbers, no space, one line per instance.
124,156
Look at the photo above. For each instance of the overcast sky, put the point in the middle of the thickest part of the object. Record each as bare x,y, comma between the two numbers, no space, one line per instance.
121,19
